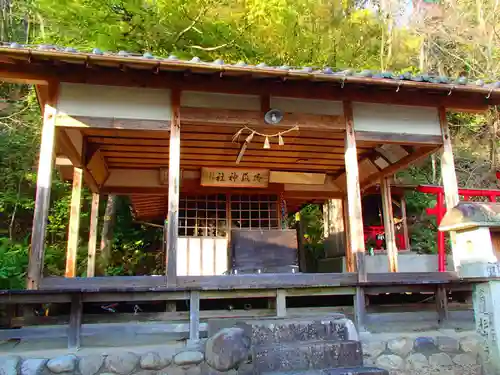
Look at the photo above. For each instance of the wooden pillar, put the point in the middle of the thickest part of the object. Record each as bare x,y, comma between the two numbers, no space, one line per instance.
43,186
348,250
74,223
448,173
194,315
94,221
174,172
404,222
281,303
390,235
75,322
356,238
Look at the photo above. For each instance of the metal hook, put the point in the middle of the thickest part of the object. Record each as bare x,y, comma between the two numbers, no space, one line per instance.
156,69
489,94
451,89
400,83
343,81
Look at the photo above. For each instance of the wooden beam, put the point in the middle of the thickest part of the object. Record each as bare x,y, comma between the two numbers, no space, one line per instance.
174,180
388,215
110,123
43,187
98,168
76,157
355,217
94,221
419,154
398,138
74,223
229,117
433,96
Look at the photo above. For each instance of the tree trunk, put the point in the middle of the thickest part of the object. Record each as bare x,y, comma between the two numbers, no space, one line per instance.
107,232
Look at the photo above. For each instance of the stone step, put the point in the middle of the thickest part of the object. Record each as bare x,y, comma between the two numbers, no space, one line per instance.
337,371
354,371
279,331
303,356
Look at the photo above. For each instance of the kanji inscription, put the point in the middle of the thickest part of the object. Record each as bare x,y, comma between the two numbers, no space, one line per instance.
234,177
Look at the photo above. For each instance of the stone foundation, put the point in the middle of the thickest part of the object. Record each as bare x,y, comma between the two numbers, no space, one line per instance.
442,352
153,361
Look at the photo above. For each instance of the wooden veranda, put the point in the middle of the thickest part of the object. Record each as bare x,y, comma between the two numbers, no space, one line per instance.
144,126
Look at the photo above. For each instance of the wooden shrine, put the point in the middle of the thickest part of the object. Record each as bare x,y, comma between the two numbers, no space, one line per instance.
189,141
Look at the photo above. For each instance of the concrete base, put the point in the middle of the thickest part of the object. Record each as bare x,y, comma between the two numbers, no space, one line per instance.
407,262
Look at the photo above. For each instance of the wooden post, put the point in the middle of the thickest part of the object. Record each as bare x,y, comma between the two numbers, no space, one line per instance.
281,303
75,322
355,217
173,189
442,304
404,222
360,309
194,315
390,235
448,174
94,220
43,186
74,223
348,251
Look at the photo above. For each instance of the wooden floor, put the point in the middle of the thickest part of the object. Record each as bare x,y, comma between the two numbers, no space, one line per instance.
253,281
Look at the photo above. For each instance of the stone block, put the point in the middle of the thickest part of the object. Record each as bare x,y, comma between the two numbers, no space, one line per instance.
390,362
90,365
227,349
8,365
122,363
275,331
416,361
153,361
302,356
355,371
465,359
401,346
424,345
447,344
188,357
470,344
372,349
440,360
33,366
65,363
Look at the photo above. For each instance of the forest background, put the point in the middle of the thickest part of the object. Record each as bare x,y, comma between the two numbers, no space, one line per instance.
455,38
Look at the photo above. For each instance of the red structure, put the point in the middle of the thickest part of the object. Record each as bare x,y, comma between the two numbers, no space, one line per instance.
377,233
440,209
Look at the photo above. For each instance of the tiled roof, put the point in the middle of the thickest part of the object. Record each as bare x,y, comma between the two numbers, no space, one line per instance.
71,55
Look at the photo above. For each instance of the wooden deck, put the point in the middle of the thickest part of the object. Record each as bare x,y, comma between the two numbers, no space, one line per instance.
276,287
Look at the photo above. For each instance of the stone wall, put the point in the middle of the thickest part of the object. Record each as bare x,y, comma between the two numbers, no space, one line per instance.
224,353
444,353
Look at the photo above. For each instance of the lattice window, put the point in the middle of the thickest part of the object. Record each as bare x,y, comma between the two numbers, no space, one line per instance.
203,215
254,211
